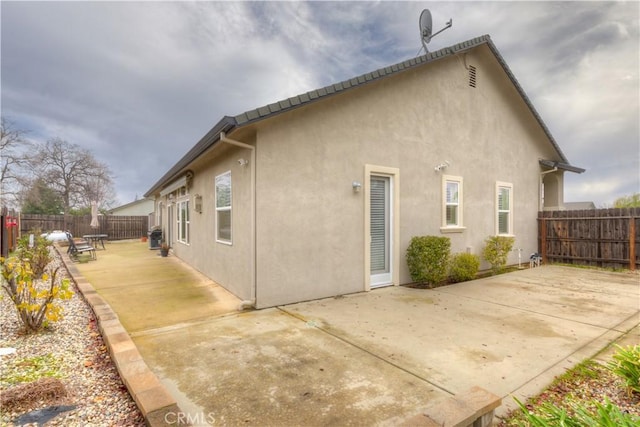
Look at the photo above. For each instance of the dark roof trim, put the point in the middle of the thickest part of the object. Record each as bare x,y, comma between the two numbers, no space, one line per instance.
561,165
315,95
526,99
229,123
225,125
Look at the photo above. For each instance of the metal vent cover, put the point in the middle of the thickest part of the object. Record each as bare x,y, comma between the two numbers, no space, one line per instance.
472,76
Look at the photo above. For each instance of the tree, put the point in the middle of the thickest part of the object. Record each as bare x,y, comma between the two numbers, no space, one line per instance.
74,174
13,161
42,199
632,201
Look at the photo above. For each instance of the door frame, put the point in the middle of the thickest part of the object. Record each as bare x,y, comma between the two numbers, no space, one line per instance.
170,219
394,189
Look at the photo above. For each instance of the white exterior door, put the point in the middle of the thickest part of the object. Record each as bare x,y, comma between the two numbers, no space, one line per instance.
381,238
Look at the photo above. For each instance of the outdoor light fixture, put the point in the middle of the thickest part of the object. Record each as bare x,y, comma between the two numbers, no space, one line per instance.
243,162
356,186
442,166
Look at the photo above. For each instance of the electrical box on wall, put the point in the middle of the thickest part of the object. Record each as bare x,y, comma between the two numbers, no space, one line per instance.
197,201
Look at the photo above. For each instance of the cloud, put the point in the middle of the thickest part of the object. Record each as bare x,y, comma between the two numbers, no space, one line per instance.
139,83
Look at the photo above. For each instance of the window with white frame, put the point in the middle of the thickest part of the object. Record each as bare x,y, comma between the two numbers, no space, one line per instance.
452,203
504,208
182,205
223,208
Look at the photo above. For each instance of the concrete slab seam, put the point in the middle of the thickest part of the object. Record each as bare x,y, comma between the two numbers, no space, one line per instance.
344,340
150,395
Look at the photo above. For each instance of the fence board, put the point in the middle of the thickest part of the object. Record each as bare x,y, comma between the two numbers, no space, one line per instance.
596,237
115,226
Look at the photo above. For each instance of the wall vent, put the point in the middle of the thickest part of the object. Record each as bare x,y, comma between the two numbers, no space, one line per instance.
472,76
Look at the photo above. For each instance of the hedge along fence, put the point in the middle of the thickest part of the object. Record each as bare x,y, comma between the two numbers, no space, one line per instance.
597,237
114,226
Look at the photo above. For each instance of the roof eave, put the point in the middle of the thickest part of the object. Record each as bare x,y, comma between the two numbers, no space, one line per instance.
307,98
552,164
526,99
226,124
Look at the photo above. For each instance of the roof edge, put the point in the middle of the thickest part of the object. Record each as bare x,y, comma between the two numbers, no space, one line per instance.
526,99
226,124
561,165
309,97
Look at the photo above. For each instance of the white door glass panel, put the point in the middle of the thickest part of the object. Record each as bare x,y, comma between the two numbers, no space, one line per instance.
380,203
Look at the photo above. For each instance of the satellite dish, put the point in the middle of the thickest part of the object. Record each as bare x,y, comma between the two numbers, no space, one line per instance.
426,28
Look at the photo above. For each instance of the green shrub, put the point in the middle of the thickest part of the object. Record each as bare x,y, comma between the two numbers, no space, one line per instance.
496,251
427,258
548,414
626,364
464,267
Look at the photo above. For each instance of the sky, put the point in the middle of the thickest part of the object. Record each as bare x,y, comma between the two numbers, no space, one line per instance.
139,83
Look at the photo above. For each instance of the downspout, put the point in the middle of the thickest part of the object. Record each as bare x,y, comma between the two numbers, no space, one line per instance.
252,162
542,174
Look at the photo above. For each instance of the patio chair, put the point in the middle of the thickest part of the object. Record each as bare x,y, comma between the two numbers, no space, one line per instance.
77,248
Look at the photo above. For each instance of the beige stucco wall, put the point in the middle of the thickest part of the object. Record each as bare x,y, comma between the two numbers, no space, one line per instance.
226,264
310,223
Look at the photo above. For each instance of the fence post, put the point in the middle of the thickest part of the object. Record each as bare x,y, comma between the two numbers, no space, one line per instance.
4,239
632,243
543,239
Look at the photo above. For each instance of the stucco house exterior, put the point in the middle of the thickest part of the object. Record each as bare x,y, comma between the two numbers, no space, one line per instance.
320,194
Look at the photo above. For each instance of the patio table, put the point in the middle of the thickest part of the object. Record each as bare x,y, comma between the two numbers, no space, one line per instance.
95,239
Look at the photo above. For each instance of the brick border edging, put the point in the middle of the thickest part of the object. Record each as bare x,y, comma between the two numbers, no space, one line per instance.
150,395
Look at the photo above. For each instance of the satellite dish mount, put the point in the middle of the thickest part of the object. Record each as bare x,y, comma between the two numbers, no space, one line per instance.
426,28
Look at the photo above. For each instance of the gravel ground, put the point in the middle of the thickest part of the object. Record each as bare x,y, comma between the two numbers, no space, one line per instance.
72,347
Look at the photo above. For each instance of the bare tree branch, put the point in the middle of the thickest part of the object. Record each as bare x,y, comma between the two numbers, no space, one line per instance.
74,174
14,162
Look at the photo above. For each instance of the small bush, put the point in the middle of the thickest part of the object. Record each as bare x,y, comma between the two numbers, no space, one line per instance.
496,251
34,292
427,258
464,267
626,364
38,255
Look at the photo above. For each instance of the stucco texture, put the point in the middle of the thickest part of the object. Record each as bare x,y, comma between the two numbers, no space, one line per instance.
304,236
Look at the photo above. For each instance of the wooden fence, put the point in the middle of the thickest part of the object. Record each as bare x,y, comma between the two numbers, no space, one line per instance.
114,226
597,237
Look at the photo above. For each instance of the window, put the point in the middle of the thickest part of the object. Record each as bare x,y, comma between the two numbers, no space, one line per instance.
223,208
504,211
451,204
183,215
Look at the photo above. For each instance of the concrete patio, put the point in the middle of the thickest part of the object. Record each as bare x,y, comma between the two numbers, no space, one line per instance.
371,358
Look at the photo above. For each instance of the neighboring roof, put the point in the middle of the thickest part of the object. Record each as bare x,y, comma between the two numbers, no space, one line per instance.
130,205
229,123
